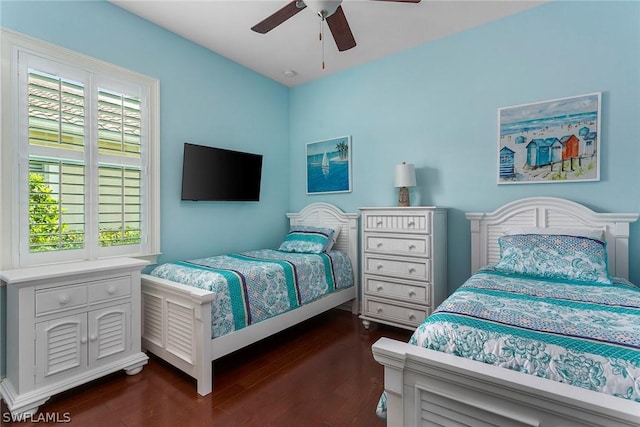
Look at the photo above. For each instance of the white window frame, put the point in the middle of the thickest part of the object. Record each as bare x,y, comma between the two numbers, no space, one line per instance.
14,159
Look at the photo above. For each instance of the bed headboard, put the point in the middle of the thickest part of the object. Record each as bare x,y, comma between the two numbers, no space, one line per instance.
546,212
322,214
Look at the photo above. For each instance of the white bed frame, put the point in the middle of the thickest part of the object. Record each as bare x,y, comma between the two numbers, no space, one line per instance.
177,318
426,387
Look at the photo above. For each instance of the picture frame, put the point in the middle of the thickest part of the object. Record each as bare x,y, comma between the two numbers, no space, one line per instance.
552,141
329,166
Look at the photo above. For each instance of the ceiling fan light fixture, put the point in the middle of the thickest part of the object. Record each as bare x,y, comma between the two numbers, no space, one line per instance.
323,8
329,11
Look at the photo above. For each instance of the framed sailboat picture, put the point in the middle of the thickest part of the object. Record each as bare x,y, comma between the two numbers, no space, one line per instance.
329,166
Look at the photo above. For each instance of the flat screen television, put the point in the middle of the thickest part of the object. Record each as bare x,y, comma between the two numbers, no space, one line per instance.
210,173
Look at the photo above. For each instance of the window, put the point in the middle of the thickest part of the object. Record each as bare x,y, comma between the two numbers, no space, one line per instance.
85,144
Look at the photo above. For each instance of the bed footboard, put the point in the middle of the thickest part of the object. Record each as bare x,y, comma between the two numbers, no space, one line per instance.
177,327
426,387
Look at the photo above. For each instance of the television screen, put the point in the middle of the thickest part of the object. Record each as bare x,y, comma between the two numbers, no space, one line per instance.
210,173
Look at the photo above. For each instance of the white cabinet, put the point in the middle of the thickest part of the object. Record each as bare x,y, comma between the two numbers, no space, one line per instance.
68,324
404,264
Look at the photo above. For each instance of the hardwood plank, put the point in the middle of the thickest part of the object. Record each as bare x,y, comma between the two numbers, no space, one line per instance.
319,373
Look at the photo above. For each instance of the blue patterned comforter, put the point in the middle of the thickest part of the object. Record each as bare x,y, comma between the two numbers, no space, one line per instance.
583,334
256,285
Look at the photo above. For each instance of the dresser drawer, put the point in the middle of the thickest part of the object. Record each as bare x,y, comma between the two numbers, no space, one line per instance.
407,291
60,298
385,310
105,290
416,269
398,245
410,221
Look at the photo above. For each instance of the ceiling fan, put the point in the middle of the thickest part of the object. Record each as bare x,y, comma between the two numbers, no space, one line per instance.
328,10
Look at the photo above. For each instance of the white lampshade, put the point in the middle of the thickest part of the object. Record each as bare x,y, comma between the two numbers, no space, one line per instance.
405,175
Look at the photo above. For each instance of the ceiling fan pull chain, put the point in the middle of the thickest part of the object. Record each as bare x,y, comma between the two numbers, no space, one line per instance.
321,36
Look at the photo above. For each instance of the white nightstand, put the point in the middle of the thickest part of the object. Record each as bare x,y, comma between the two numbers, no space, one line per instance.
68,324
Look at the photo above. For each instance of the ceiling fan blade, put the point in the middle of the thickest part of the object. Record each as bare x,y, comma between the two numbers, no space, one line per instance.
278,17
340,30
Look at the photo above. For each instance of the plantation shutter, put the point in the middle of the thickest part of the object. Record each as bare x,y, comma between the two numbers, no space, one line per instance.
119,170
56,134
56,205
84,138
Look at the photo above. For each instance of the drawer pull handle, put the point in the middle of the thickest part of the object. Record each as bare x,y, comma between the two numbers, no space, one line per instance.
379,310
412,293
379,244
412,316
411,224
379,288
64,299
412,247
412,270
111,290
379,222
83,340
379,266
92,338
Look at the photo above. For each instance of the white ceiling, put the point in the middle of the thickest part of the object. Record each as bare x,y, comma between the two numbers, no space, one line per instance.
379,27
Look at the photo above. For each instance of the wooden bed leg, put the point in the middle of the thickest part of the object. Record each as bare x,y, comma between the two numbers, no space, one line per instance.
205,379
395,411
385,353
204,371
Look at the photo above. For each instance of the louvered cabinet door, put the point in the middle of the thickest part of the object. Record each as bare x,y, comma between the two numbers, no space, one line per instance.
61,348
71,344
109,333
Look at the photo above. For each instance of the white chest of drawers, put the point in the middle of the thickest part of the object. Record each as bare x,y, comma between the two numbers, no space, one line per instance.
68,324
404,264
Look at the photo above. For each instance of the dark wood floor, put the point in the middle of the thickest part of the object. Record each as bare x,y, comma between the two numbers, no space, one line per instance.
319,373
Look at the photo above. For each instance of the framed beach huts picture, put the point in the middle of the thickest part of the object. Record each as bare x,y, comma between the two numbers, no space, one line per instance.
551,141
329,166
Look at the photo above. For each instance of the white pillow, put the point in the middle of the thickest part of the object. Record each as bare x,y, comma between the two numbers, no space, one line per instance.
590,233
334,238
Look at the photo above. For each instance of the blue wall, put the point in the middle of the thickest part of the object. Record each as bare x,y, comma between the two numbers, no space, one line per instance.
436,106
205,99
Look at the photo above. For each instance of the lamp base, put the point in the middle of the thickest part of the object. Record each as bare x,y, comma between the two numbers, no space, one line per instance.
403,197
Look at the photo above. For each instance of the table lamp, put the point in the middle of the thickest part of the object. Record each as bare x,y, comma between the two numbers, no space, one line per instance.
405,177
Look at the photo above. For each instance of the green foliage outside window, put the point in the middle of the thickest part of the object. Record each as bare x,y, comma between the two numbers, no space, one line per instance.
48,233
46,230
117,237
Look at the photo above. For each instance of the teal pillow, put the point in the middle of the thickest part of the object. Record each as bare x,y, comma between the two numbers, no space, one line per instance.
307,239
554,257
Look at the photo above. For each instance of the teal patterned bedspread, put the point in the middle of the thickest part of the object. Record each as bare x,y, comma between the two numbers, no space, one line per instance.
583,334
253,286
